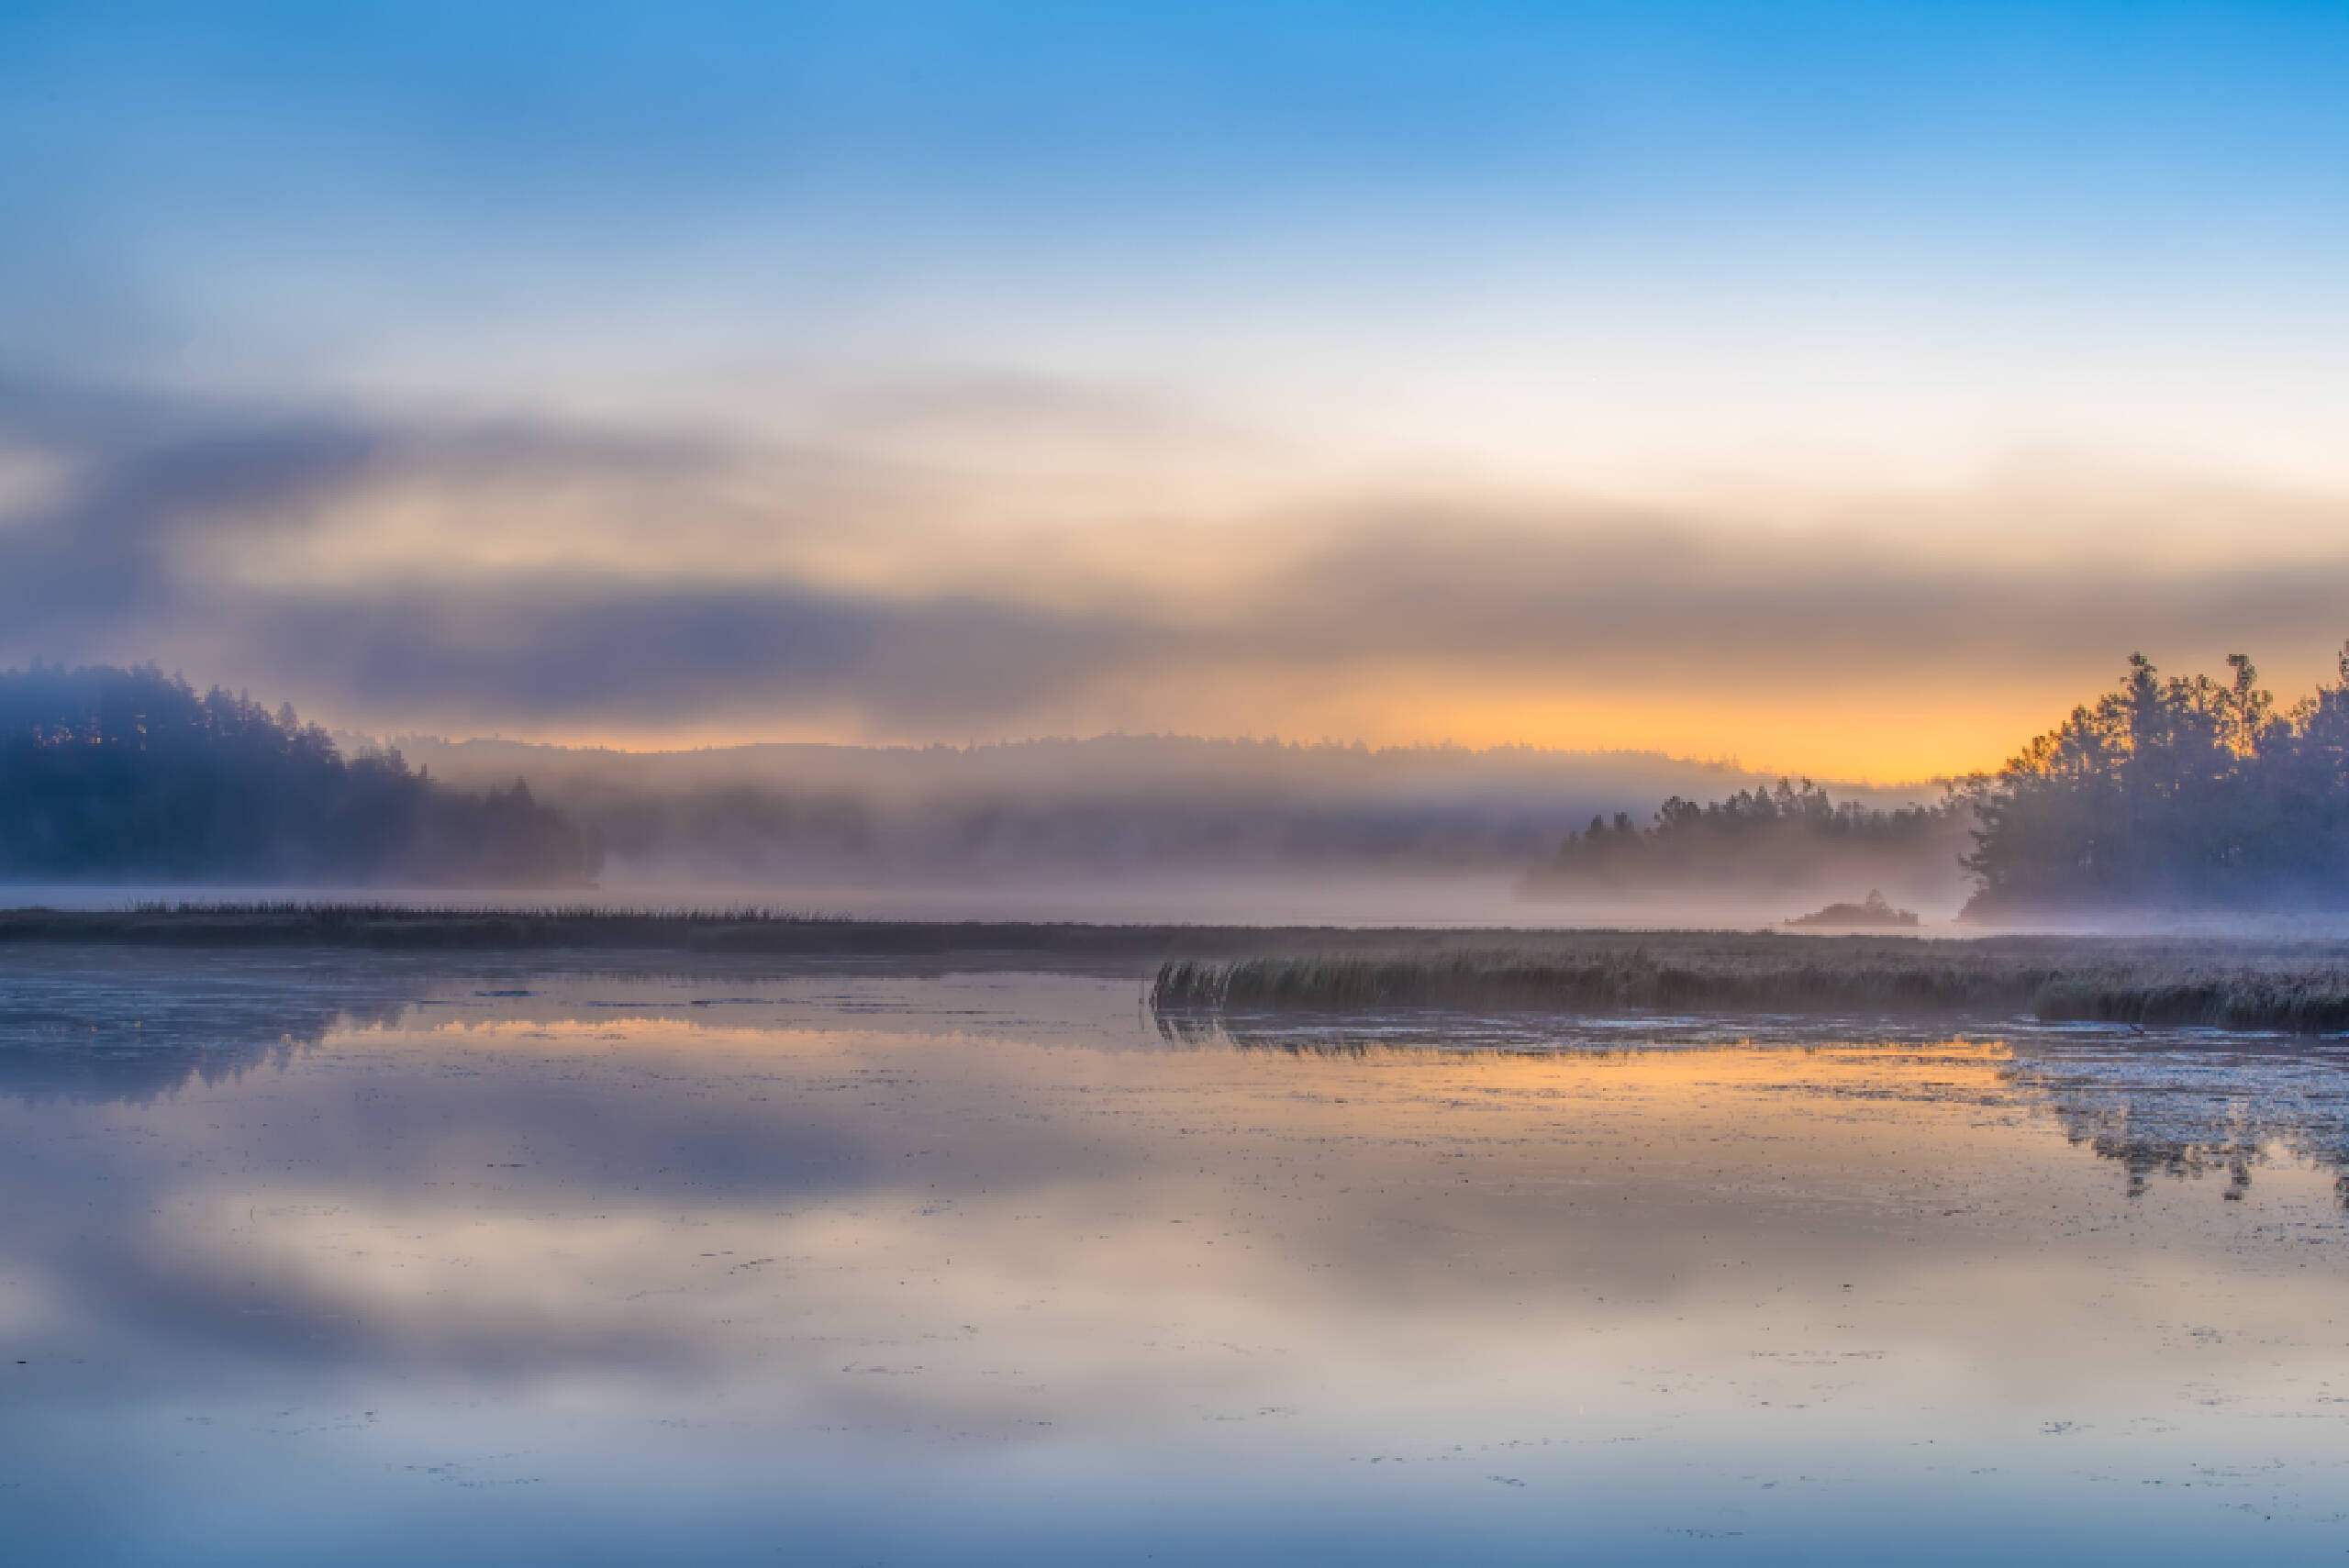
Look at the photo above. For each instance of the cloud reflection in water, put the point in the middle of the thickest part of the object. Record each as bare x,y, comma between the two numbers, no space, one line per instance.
975,1268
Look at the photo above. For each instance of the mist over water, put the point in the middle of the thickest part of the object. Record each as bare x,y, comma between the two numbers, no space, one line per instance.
383,1259
1487,900
1160,827
1118,830
1480,901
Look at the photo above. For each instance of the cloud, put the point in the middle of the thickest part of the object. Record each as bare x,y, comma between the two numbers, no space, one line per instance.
222,539
160,492
1674,598
586,649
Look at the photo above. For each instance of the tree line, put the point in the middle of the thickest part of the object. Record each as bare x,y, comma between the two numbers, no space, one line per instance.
1796,808
119,774
1790,841
2176,792
2172,792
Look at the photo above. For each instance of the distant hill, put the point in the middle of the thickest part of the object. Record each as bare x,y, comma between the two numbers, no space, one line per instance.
1107,806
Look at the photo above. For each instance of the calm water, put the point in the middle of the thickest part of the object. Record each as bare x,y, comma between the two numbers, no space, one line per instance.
403,1262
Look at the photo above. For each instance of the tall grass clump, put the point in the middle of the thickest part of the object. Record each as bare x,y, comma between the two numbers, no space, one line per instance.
1633,978
2104,984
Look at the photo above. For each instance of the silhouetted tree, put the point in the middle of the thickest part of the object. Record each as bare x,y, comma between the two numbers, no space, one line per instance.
2183,792
1792,811
2180,792
121,774
1779,839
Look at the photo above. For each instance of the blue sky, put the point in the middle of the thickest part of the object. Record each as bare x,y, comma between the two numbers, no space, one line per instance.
446,154
1835,276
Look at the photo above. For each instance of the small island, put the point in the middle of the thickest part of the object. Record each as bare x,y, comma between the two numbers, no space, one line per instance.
1870,914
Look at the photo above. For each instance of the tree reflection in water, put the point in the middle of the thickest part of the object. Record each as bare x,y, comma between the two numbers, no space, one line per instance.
2181,1104
130,1027
2197,1106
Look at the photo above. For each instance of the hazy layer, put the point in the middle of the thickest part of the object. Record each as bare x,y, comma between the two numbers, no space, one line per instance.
1138,827
639,581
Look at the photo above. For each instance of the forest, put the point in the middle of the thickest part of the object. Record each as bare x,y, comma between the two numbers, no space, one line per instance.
129,774
1800,811
2166,793
2179,792
1793,842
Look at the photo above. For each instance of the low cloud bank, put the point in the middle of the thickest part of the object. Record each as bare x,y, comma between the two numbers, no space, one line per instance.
546,577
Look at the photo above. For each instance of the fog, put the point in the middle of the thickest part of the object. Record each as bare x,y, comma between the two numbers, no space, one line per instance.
1146,828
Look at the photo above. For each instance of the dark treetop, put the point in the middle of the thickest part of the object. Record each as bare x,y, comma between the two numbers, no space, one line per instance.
1795,839
2166,793
2184,793
129,773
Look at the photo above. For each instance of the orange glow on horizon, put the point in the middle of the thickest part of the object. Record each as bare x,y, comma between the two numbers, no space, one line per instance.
1889,737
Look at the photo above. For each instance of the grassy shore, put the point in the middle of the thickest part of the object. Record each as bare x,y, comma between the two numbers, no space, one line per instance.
2300,986
2301,989
736,932
780,933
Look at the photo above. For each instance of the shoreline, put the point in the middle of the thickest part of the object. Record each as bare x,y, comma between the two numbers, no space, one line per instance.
2256,984
264,923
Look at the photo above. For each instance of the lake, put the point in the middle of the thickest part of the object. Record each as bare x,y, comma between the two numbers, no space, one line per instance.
386,1259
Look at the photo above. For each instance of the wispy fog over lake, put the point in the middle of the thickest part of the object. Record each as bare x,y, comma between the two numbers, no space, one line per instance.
385,1259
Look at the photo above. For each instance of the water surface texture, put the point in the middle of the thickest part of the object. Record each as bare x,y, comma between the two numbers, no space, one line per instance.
379,1261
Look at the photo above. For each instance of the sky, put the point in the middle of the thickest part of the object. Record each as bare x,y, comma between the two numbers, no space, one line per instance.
1841,388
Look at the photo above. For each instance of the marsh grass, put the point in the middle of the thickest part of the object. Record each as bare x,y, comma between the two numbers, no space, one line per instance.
2233,984
2301,991
743,929
330,912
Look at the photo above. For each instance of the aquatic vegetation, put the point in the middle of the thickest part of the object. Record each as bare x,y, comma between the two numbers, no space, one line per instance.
2299,986
2054,980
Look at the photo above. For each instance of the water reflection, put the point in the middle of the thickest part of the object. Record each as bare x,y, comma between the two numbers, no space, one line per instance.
2196,1106
2181,1104
1300,1031
532,1267
129,1026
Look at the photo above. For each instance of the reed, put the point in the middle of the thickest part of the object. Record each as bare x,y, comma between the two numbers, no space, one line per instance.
2306,992
2232,983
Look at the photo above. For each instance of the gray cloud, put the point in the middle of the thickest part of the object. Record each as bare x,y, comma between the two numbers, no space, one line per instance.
149,480
123,566
162,486
595,648
1666,595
